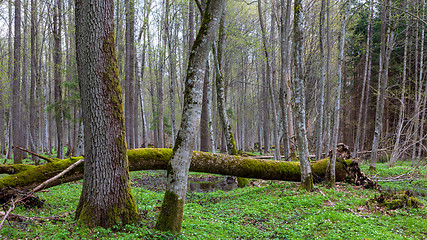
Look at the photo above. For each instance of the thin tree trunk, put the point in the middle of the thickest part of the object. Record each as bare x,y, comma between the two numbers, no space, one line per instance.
364,85
337,110
18,155
34,128
171,214
299,99
57,58
395,153
277,155
129,71
320,104
386,49
226,126
327,110
423,107
204,120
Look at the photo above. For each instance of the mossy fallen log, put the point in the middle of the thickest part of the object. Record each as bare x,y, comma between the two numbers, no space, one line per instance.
26,178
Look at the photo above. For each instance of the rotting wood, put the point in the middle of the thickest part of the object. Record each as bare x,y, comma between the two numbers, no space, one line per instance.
158,158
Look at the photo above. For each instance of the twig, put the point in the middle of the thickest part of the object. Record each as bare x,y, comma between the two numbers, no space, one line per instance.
32,153
7,214
16,217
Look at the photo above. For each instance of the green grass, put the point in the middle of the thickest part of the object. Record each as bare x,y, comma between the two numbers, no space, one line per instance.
275,210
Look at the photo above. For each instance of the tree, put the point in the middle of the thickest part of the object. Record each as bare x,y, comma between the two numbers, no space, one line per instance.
320,107
15,124
57,58
171,213
337,110
129,71
299,99
270,86
106,198
387,42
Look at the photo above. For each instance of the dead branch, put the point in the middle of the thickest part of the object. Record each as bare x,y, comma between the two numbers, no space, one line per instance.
32,153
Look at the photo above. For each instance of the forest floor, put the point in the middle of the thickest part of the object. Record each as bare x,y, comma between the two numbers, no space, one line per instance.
216,209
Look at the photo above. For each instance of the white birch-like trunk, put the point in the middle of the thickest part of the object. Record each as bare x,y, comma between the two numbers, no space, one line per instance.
421,77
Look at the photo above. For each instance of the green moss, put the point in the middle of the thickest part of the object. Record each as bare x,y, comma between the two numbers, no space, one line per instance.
15,168
35,175
307,183
171,213
242,182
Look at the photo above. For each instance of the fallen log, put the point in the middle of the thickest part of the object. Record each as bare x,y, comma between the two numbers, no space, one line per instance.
25,179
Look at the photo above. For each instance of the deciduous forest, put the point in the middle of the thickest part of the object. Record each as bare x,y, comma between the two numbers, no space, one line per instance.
213,119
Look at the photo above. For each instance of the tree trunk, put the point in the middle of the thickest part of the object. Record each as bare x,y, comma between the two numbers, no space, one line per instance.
106,198
386,49
320,104
157,158
423,106
34,127
396,153
270,86
299,99
129,71
57,58
18,155
204,120
337,110
226,126
364,85
171,213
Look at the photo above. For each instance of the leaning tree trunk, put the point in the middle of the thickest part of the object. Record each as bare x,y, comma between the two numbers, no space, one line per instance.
171,213
299,99
106,198
23,178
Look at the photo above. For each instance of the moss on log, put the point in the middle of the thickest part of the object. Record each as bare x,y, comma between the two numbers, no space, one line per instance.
28,177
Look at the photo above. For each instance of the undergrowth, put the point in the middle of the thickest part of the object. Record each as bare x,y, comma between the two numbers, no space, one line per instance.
265,210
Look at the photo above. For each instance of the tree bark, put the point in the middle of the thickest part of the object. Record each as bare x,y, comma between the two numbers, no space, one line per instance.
220,91
106,198
386,49
320,104
171,213
299,99
270,85
158,158
364,85
337,110
57,58
129,71
18,155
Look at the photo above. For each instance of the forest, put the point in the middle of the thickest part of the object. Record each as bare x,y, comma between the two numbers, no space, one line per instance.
213,119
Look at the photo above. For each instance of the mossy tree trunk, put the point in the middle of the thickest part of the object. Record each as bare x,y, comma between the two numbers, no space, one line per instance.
170,217
26,177
220,92
106,198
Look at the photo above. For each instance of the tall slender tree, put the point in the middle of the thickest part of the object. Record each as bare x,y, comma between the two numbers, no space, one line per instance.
57,58
299,98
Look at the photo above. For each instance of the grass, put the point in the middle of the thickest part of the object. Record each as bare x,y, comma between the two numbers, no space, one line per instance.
269,210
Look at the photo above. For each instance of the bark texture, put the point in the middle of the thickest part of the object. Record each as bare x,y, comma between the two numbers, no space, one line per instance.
106,198
171,213
299,99
26,177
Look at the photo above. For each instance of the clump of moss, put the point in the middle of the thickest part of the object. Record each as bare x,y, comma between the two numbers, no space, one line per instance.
242,182
396,200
